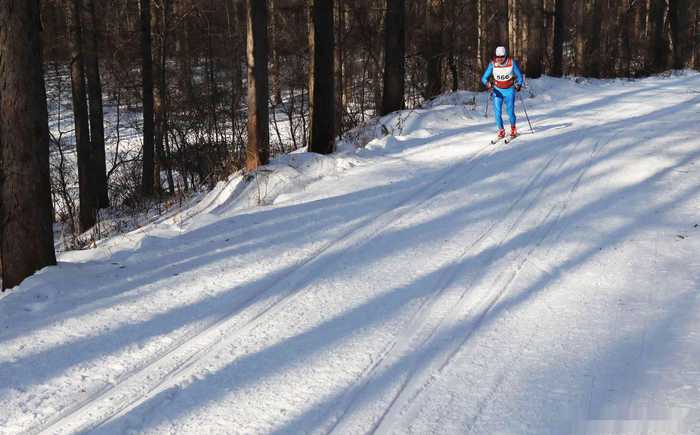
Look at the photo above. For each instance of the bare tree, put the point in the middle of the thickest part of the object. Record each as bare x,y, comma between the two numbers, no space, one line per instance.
26,236
258,149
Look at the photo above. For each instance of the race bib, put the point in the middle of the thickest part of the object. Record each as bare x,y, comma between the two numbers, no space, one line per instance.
503,74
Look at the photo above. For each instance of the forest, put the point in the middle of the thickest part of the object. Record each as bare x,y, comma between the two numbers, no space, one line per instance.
205,88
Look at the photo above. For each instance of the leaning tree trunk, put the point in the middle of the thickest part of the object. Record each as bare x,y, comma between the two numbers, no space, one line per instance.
394,56
258,148
87,192
321,77
147,178
26,236
94,88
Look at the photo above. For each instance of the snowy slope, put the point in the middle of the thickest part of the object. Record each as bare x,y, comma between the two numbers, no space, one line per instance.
426,283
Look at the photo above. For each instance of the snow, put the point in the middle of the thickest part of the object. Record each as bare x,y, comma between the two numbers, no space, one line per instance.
423,281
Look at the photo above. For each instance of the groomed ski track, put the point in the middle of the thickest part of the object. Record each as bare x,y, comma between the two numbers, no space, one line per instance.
441,285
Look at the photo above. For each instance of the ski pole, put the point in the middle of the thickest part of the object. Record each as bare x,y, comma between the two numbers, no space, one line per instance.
486,113
525,109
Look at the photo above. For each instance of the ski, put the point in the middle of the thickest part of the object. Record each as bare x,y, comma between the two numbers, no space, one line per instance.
510,139
496,139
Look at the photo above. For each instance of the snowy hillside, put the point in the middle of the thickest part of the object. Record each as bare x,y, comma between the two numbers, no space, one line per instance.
425,282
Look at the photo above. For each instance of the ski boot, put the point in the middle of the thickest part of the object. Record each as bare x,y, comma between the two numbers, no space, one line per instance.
501,134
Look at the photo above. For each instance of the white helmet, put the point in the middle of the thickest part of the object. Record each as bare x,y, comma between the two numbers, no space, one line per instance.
500,51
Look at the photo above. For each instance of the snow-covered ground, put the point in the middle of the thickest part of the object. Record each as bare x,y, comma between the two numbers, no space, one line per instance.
428,282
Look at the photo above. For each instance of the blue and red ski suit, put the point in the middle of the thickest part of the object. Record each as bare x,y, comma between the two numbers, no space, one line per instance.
505,77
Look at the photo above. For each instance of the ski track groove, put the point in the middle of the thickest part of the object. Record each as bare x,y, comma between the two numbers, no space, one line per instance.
495,389
478,317
431,377
420,313
220,327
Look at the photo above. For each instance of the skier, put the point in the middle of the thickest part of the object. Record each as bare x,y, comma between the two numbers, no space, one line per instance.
507,80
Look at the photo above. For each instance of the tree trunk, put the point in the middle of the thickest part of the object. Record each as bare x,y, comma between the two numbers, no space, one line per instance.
595,51
524,27
94,88
87,193
696,32
514,34
147,178
26,235
588,29
560,7
258,149
238,58
624,37
394,57
159,26
339,63
500,25
656,54
535,43
678,11
580,39
433,51
321,79
276,66
184,55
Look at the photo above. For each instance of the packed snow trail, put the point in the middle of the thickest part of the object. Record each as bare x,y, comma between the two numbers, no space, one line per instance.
432,283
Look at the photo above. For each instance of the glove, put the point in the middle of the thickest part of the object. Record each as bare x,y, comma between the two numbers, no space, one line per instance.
518,86
488,85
